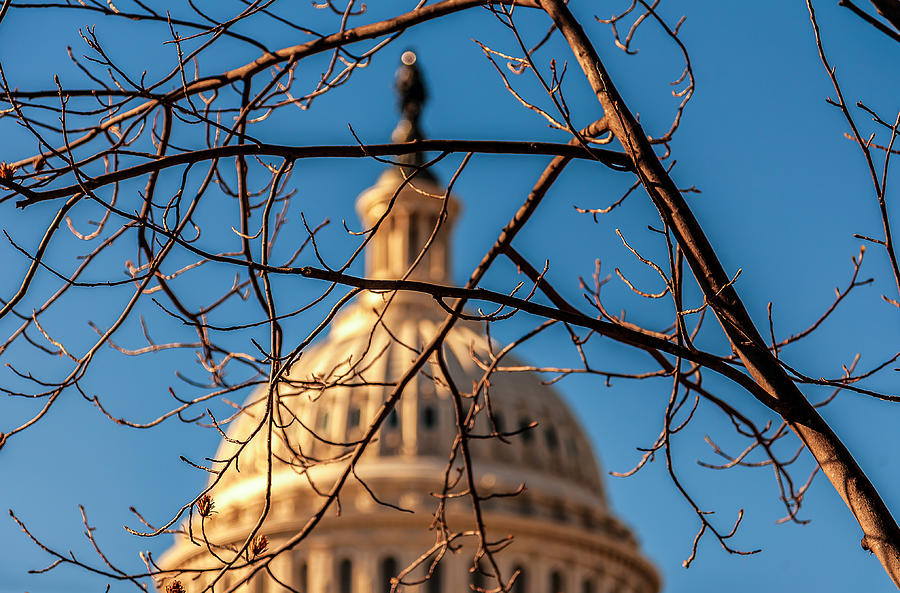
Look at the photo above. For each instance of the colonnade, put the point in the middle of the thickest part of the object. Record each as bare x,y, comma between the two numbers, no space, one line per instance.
328,569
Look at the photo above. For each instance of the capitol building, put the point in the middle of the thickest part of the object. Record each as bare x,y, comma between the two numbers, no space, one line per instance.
558,533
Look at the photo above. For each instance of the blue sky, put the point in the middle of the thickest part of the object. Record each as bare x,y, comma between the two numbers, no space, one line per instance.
782,194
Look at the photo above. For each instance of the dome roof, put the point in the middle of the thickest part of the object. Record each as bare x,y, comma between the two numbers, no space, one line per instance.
334,391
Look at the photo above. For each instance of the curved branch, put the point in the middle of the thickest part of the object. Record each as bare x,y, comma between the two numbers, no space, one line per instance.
610,158
882,535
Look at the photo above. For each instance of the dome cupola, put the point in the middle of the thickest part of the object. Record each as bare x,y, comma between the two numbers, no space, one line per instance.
407,209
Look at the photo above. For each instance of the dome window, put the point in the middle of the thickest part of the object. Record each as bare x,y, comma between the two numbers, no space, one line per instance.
559,511
498,423
588,586
521,584
556,582
552,438
323,420
354,417
434,582
302,577
393,419
587,519
527,435
345,576
429,417
387,572
476,578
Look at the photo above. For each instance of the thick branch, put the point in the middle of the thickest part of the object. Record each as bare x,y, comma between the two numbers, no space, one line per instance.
619,333
882,534
610,158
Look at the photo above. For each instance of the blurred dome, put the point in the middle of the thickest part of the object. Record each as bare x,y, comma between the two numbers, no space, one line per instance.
563,534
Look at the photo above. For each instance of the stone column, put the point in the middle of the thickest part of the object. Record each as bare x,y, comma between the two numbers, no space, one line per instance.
539,577
578,575
321,571
456,575
365,564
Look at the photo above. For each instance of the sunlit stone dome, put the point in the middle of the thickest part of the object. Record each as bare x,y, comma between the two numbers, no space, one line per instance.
565,537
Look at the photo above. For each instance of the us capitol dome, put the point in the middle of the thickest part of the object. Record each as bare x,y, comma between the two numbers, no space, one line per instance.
565,538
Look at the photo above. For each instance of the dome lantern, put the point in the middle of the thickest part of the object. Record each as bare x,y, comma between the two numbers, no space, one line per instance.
407,207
